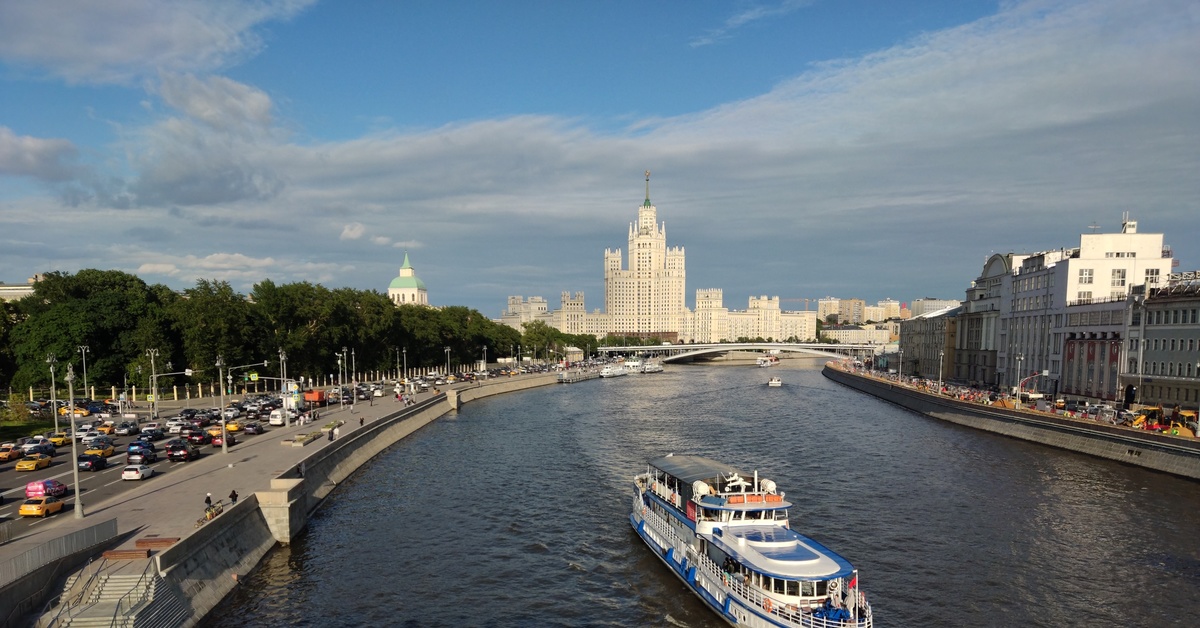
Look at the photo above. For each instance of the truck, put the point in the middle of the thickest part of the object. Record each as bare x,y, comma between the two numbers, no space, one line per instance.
316,398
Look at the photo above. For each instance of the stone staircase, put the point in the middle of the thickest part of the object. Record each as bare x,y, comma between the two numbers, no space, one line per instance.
122,600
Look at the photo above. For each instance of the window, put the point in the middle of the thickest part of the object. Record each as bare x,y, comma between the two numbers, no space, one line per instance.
1085,275
1118,278
1085,296
1151,276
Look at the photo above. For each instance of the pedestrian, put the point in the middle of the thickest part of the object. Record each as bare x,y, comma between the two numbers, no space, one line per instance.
233,497
208,500
337,432
360,421
331,436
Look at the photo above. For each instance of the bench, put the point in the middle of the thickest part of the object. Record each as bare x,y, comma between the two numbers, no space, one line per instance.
133,554
156,542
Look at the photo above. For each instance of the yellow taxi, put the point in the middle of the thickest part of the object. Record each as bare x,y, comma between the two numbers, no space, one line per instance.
40,506
233,426
9,451
107,428
58,439
78,411
214,430
33,462
103,450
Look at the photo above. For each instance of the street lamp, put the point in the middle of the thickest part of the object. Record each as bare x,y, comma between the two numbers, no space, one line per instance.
221,382
341,389
941,354
902,365
153,353
397,350
83,349
1019,358
283,391
406,366
51,360
74,442
353,381
484,369
447,361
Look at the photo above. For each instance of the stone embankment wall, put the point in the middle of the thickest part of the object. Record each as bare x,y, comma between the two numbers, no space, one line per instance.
1170,454
201,569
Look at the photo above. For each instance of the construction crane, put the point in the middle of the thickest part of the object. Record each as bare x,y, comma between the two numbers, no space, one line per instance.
797,300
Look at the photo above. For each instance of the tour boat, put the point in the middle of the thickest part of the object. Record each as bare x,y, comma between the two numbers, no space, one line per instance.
726,536
767,360
652,367
633,365
775,382
613,370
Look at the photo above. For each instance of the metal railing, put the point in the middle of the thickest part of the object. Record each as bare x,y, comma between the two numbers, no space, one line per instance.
126,604
55,549
72,604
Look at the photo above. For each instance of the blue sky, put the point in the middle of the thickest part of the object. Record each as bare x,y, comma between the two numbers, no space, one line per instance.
798,148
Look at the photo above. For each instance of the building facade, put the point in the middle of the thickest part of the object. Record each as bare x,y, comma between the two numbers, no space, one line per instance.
928,341
1162,361
975,345
407,288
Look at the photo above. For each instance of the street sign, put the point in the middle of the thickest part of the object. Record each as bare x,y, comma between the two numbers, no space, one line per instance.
149,397
254,377
293,386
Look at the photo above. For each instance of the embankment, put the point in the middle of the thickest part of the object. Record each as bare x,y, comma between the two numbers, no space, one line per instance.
1169,454
201,569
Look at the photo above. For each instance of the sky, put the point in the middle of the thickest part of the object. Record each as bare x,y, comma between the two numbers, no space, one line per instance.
798,148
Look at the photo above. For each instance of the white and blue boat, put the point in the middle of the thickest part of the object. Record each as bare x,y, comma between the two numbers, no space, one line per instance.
726,536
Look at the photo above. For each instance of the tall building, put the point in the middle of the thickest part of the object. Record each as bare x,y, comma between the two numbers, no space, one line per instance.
646,298
927,304
975,346
826,307
1162,363
407,288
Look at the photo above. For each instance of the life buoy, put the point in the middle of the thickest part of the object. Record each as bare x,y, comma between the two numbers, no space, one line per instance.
767,606
833,586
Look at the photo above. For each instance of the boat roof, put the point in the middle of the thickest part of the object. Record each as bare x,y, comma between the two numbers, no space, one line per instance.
780,552
692,468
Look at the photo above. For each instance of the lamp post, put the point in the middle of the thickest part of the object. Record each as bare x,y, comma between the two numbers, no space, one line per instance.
341,390
83,350
941,354
353,381
1019,358
405,366
221,382
484,369
447,361
74,442
153,353
901,365
51,360
397,349
283,391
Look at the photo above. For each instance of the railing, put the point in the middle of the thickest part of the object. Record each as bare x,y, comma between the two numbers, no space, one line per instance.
71,605
126,603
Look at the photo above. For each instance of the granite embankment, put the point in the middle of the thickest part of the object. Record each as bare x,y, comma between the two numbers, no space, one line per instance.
1161,452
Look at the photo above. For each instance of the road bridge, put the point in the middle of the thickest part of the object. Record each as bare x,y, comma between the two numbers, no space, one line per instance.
706,351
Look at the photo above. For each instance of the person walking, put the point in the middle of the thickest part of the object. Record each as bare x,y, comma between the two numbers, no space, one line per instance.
331,436
360,421
233,497
337,432
208,501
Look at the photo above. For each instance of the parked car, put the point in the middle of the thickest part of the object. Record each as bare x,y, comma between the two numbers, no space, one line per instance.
33,462
43,488
140,456
136,472
40,507
91,462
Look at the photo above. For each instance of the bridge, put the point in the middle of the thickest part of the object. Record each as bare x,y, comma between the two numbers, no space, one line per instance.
705,351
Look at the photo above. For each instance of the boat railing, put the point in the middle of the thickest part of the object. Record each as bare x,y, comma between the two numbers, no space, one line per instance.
727,583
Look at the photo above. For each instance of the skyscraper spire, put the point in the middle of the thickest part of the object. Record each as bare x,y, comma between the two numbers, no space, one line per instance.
647,203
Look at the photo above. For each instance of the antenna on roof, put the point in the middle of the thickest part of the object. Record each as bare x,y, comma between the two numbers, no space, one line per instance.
1093,226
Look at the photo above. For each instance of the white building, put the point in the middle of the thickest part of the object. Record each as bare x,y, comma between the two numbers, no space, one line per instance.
926,305
407,288
857,334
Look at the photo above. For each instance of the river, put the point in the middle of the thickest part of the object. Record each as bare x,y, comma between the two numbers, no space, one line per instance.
513,512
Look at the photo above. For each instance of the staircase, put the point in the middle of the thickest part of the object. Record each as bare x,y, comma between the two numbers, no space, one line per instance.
131,600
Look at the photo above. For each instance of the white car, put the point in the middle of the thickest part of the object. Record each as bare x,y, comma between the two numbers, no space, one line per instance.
90,438
136,472
174,426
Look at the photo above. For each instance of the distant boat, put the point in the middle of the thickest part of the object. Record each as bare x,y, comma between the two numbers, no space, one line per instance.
767,360
775,382
652,367
613,370
633,365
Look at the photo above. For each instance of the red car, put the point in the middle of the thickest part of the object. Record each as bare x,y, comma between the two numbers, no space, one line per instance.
44,488
216,440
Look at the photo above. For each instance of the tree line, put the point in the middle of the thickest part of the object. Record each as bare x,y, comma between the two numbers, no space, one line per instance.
122,320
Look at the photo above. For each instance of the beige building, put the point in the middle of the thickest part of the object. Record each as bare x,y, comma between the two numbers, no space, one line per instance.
13,292
927,343
827,307
857,334
851,311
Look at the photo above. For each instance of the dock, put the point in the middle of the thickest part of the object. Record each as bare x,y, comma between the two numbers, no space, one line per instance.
570,377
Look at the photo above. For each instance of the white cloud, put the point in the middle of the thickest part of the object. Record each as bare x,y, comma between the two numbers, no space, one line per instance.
353,231
219,102
750,14
117,41
381,240
45,159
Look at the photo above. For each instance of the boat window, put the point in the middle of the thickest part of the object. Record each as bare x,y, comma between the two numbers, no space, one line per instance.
793,587
780,585
822,588
781,515
808,588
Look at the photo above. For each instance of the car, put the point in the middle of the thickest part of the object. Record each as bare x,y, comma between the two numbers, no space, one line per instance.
42,488
9,451
90,437
140,456
233,426
38,447
136,472
40,507
182,452
63,411
126,428
59,439
217,441
142,444
33,462
151,434
199,438
107,428
103,450
91,462
253,427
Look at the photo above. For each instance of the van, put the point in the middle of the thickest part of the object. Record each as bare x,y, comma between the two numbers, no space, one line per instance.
277,417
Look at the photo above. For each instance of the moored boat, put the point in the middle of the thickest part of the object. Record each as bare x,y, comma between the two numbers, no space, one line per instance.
726,536
767,360
613,370
652,367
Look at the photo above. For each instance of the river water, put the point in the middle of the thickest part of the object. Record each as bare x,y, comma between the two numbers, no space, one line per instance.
513,512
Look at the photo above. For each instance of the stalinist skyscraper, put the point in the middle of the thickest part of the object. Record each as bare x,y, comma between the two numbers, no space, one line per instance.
647,297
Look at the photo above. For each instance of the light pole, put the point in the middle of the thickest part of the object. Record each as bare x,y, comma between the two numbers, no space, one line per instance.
341,390
283,391
74,443
405,366
447,361
484,369
221,383
941,354
153,353
353,381
1019,358
83,349
901,365
51,360
397,350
